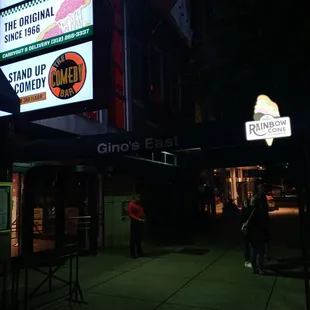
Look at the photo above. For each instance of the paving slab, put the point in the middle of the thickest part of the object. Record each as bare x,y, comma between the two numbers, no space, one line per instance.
228,270
141,286
242,278
288,294
222,295
175,269
111,262
93,272
103,267
105,302
178,265
205,259
99,278
178,307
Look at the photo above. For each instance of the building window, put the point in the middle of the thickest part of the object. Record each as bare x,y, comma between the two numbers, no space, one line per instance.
118,62
139,70
116,111
176,92
93,115
172,91
156,74
118,13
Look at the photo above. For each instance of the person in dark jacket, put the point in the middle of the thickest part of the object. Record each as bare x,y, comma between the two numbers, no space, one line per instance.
246,212
258,234
262,200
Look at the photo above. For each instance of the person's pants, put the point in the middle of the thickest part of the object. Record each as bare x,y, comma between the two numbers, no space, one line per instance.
136,234
268,250
247,252
257,255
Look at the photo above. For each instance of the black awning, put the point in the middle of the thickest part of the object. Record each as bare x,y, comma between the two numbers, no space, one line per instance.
121,143
221,142
9,101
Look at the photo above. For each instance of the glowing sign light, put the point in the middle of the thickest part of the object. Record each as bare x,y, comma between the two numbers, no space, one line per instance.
267,124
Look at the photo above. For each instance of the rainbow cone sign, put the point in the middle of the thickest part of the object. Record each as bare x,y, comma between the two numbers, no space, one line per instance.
267,124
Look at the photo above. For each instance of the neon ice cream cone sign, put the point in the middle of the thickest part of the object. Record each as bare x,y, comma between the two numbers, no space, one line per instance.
267,124
265,109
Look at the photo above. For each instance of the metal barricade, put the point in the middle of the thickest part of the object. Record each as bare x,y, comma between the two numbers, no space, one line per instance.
46,264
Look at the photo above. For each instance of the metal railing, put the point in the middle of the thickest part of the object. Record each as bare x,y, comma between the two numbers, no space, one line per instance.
47,264
76,227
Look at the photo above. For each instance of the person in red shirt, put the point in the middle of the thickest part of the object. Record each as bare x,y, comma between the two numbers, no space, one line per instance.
137,218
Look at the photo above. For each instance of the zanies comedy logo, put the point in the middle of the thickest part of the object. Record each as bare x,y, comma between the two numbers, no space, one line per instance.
67,75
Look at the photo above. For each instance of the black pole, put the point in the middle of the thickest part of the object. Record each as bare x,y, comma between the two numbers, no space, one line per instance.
212,191
6,163
70,277
304,216
61,182
6,168
4,284
303,220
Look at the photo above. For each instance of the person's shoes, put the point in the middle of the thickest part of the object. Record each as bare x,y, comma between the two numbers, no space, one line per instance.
134,256
247,265
255,271
261,272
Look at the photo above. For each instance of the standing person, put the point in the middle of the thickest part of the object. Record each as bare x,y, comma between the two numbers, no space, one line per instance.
261,198
246,213
258,234
137,219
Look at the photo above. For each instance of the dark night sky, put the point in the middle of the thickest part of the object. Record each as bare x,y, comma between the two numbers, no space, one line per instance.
252,47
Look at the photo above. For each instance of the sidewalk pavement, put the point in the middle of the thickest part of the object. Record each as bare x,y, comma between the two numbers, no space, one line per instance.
216,280
170,278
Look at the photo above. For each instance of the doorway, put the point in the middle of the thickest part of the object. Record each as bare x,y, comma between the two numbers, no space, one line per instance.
58,207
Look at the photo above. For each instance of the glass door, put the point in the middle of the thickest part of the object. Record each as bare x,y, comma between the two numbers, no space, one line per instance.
59,209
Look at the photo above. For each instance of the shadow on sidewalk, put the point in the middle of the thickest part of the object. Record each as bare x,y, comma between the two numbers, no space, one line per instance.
149,251
287,268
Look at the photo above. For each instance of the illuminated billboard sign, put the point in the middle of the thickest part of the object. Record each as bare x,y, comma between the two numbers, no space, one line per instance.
267,124
268,127
6,3
53,79
3,113
9,101
41,24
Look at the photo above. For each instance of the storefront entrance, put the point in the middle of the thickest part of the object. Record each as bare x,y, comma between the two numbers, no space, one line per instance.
58,197
53,207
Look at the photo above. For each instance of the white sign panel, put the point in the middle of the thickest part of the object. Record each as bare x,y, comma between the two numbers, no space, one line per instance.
6,3
268,127
53,79
40,24
2,113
